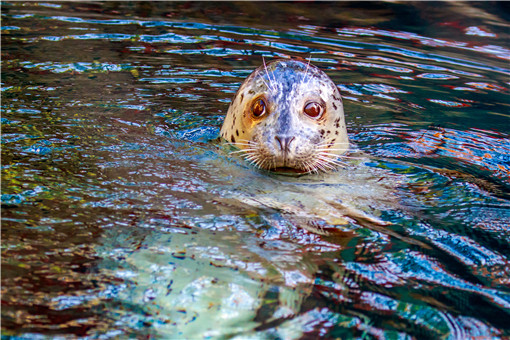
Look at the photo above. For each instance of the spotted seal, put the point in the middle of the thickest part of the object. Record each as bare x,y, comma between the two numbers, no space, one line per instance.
288,115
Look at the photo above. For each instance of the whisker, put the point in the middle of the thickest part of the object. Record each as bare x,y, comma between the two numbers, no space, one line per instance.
243,143
266,163
331,160
328,163
261,77
317,165
328,153
237,151
330,149
349,157
267,73
309,167
324,155
320,166
306,70
336,165
245,147
250,154
253,162
258,163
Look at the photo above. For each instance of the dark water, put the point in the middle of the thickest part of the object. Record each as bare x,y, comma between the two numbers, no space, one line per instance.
123,217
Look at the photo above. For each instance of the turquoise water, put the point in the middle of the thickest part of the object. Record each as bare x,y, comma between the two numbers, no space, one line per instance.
123,216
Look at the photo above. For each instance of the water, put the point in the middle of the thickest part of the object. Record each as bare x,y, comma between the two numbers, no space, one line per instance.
122,215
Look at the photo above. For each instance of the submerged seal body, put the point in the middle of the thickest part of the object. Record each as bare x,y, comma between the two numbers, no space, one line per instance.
288,115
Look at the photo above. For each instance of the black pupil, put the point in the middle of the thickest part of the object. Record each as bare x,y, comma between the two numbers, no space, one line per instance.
312,109
259,107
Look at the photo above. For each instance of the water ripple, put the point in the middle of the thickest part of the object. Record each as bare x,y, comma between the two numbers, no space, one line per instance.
336,43
123,215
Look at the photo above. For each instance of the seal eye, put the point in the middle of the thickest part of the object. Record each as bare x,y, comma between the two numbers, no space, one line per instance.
258,108
313,109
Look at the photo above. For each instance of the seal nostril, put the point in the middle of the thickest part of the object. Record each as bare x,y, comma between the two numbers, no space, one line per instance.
279,142
284,142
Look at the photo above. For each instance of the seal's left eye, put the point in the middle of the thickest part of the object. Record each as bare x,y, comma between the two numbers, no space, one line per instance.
258,108
313,109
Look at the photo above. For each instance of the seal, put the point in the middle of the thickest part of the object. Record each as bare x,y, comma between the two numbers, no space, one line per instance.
288,116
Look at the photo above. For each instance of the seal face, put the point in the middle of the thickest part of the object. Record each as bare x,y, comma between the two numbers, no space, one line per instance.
288,116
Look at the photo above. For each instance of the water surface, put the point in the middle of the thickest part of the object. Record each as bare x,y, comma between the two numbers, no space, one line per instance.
123,216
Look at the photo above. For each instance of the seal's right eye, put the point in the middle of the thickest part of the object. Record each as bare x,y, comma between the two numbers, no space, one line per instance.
258,109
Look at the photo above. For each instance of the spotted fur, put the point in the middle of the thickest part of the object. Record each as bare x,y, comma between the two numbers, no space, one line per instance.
285,137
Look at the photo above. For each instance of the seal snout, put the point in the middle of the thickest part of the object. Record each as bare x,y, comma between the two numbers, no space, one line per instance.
284,143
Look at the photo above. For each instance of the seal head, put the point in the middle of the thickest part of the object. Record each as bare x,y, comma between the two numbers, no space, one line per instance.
288,116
